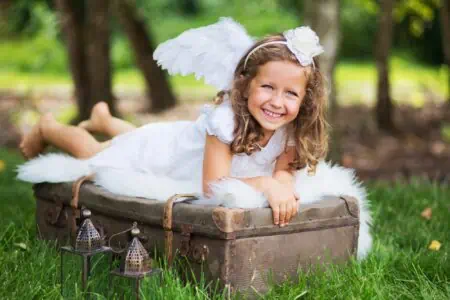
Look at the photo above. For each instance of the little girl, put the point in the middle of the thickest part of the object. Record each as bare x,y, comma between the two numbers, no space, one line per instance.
269,123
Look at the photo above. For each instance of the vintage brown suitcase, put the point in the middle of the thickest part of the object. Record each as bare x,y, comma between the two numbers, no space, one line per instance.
236,246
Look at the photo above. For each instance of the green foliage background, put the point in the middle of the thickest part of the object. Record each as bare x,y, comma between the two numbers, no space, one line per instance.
31,41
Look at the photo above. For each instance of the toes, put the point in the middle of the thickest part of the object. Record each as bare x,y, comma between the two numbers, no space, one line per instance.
84,124
32,143
101,109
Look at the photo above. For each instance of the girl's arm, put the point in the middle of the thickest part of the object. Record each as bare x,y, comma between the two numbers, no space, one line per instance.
217,164
283,175
282,171
216,161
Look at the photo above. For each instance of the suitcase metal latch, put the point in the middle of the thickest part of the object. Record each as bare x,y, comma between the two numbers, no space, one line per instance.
197,253
200,253
57,216
186,230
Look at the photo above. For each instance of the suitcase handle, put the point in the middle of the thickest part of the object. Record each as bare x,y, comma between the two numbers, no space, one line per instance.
74,203
167,222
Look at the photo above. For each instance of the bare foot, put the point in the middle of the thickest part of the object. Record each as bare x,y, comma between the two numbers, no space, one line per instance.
33,142
100,115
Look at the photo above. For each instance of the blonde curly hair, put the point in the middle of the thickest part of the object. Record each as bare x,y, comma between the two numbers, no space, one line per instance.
309,129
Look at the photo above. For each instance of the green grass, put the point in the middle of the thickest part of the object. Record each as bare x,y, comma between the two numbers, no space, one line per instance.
400,266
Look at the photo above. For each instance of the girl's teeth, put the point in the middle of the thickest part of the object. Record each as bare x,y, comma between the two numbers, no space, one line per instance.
272,114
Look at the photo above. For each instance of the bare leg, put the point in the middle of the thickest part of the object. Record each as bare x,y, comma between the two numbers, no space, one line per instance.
101,121
71,139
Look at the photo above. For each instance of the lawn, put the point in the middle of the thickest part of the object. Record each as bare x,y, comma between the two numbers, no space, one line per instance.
401,265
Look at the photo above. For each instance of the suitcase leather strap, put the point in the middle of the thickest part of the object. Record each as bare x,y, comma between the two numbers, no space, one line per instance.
167,224
74,202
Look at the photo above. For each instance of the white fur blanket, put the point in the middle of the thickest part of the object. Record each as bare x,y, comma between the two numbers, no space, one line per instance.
328,181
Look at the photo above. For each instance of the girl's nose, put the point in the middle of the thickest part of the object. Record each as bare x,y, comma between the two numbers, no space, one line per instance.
276,100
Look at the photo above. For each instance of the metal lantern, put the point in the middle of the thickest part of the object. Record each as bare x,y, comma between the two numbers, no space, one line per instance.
88,239
88,243
135,263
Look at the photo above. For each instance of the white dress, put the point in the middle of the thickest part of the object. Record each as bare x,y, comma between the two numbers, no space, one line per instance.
175,149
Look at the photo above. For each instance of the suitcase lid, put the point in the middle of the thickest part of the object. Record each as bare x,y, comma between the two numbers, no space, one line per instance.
211,221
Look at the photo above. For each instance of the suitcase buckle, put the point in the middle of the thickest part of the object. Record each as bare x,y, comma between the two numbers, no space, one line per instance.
186,230
200,253
57,216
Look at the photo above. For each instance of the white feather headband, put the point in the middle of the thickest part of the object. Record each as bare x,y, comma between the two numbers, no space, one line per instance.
212,52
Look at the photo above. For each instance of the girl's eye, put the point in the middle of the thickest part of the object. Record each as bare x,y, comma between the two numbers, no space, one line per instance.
292,93
266,86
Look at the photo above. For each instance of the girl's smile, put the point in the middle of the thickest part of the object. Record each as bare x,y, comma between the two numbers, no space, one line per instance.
272,115
276,93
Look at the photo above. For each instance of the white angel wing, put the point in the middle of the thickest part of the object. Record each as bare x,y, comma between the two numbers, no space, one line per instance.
211,52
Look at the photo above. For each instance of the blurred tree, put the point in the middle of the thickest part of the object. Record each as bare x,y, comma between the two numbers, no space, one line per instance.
18,14
98,52
384,106
444,12
190,7
159,89
417,15
4,8
323,16
417,29
86,29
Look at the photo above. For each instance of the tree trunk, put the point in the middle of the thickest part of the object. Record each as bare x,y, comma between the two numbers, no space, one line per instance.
324,18
160,93
87,39
445,28
71,17
384,106
98,53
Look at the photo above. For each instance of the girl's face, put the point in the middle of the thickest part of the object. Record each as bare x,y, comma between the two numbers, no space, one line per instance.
276,93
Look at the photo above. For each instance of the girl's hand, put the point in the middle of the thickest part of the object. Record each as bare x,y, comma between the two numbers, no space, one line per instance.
283,202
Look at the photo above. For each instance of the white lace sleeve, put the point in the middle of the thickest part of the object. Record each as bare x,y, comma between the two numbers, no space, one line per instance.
220,122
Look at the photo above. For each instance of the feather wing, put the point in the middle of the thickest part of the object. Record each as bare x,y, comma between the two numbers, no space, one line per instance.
211,52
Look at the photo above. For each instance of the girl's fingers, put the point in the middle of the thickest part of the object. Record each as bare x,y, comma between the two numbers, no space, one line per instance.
289,211
276,214
295,208
283,214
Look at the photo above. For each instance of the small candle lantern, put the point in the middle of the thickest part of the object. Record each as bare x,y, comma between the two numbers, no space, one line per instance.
135,263
88,243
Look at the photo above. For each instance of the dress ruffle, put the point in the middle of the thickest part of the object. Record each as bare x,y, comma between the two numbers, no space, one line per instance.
220,121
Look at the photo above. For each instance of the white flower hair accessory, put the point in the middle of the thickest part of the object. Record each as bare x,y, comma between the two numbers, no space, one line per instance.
302,41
